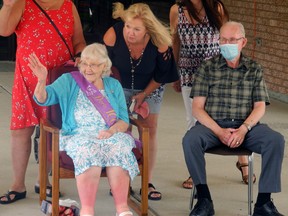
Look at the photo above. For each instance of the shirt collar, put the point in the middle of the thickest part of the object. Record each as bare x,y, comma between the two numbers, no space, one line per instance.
243,61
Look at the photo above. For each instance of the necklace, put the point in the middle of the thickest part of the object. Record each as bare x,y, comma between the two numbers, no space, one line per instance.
199,11
133,66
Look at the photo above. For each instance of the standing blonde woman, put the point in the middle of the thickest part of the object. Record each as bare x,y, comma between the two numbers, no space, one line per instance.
195,26
139,47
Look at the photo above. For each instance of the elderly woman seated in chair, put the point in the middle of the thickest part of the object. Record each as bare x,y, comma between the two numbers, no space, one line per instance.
95,117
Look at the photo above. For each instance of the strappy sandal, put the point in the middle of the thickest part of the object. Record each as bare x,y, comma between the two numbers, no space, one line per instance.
244,177
188,184
17,196
48,190
150,194
125,213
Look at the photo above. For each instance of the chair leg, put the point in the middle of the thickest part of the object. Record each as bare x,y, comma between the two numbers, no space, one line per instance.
192,197
250,183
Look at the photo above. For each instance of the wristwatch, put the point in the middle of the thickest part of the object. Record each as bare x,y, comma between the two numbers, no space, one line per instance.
247,126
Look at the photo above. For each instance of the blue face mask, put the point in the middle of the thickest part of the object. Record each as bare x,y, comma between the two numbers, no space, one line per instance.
229,51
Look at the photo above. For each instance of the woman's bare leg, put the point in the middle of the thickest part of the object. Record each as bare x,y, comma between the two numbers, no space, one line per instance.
87,185
20,153
119,183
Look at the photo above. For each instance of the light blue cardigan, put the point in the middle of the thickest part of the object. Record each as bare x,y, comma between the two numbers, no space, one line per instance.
64,91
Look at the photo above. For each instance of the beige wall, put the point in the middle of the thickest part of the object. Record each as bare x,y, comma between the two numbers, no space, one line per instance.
266,24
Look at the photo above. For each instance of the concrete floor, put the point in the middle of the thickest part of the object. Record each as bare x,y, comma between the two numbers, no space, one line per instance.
229,194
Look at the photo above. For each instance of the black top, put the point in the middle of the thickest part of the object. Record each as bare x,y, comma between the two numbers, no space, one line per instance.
154,65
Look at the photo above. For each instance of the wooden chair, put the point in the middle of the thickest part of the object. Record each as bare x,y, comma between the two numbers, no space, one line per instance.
223,150
62,164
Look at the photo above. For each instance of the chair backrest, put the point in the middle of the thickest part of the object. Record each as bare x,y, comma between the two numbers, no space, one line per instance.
55,117
54,112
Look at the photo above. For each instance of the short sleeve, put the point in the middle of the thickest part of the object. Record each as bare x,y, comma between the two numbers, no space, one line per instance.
200,85
166,69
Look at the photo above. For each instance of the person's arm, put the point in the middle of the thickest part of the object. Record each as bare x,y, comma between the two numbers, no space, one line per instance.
173,17
224,16
122,123
119,126
257,113
109,37
78,37
40,71
255,116
10,15
140,97
203,117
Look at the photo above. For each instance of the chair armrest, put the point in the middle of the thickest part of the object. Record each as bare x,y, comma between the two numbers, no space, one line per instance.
144,131
49,127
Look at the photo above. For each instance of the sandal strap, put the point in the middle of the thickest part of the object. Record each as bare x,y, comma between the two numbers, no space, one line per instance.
154,192
151,185
125,213
239,165
7,196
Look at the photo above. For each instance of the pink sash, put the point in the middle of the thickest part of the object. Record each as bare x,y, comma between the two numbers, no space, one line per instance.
96,98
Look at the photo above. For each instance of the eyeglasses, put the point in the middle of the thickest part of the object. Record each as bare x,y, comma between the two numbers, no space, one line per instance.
92,66
230,40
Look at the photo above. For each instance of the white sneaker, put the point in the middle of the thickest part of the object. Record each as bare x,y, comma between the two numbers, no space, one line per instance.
125,213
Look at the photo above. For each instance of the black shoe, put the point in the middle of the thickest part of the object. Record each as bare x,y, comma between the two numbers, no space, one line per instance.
203,207
268,209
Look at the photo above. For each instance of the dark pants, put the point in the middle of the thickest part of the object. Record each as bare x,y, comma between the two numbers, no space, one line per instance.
261,139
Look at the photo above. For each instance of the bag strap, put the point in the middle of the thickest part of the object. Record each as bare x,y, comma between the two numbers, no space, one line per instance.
56,28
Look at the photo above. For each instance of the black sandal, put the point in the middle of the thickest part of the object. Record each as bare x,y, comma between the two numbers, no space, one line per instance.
48,190
150,194
17,196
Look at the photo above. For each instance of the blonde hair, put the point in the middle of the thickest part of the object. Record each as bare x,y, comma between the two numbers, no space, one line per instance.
158,31
97,52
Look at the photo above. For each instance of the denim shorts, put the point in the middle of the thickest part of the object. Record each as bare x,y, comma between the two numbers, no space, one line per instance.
154,99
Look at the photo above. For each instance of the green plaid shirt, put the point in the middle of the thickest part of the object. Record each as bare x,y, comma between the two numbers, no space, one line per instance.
230,92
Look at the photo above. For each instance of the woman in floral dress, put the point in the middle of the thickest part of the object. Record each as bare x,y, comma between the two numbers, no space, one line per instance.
87,135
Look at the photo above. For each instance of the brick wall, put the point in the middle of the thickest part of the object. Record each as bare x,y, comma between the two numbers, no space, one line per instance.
266,24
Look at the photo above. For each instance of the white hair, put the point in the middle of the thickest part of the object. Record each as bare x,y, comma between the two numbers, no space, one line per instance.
97,52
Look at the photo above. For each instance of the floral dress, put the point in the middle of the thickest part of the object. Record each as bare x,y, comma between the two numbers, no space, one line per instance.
36,34
86,150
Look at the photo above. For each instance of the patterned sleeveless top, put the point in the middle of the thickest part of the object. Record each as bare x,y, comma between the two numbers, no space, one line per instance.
198,42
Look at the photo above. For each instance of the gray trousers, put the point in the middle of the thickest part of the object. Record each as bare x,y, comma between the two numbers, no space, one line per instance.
261,139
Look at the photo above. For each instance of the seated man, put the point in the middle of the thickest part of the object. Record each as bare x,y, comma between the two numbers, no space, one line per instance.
229,98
